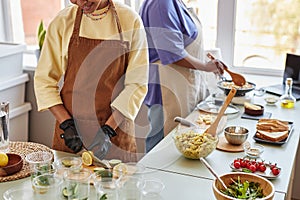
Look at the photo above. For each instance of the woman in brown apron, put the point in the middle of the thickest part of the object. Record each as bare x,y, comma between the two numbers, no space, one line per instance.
95,76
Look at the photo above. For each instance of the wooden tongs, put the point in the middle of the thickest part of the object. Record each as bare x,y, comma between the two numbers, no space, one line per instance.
237,79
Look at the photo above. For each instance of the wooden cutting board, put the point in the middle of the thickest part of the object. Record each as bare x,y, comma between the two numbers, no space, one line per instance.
223,145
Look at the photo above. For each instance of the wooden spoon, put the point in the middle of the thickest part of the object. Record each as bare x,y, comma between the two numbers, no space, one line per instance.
213,127
237,79
213,172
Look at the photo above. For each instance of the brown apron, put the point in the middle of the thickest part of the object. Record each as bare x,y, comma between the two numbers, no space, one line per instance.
93,78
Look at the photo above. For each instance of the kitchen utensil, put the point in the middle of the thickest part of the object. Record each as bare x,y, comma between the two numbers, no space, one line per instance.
213,172
213,127
238,79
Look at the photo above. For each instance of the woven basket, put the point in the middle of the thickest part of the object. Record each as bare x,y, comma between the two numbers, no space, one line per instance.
23,148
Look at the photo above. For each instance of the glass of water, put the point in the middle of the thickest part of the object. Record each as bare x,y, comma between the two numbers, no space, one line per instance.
4,127
77,184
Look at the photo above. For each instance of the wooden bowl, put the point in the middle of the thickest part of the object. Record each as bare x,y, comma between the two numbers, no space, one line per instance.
255,112
15,164
266,185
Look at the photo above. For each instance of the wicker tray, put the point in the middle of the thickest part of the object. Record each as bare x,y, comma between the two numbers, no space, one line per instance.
23,148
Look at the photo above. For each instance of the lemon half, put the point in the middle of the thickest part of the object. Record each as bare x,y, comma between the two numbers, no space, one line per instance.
3,159
87,158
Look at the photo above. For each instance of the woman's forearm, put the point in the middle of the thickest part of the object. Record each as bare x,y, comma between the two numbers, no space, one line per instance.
60,113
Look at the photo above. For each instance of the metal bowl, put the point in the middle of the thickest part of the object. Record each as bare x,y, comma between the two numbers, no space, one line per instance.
236,135
239,91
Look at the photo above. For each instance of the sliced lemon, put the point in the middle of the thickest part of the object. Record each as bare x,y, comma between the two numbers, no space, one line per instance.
3,159
120,169
87,158
114,162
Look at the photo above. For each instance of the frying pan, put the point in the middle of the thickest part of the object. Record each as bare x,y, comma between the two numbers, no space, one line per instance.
239,91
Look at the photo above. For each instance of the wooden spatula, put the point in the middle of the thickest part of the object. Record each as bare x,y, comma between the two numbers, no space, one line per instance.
213,127
237,79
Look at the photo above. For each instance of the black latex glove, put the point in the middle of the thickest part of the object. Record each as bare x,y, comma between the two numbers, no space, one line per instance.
70,135
101,143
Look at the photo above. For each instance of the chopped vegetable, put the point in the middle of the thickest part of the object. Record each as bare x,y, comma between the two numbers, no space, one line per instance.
245,190
67,163
103,197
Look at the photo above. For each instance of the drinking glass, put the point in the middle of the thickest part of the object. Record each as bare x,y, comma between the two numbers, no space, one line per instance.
67,163
4,127
47,186
130,187
77,184
105,183
40,162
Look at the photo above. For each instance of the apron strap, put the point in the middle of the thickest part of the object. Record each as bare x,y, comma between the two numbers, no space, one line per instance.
77,22
117,20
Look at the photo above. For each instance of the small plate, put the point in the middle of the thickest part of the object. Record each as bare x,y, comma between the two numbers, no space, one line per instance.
275,143
210,107
267,174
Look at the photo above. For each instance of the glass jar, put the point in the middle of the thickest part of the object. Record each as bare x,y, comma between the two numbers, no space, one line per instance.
288,100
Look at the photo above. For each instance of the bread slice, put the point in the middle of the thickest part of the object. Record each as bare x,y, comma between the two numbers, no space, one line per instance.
272,136
272,125
252,106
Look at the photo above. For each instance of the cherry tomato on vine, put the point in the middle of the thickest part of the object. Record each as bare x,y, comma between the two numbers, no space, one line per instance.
237,164
275,170
252,167
262,168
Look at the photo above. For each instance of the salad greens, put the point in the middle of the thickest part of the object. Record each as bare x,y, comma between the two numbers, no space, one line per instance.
245,190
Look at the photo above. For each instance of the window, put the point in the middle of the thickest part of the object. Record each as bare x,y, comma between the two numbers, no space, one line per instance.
34,12
253,35
265,31
25,21
207,13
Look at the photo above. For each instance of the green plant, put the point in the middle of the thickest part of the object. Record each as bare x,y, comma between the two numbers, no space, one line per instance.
41,34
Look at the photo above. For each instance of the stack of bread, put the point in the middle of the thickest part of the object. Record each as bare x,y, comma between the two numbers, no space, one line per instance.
272,129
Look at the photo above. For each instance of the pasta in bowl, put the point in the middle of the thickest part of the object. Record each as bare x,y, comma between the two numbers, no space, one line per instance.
193,143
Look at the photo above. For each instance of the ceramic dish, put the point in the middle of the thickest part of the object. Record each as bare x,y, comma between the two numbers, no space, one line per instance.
271,101
210,107
291,128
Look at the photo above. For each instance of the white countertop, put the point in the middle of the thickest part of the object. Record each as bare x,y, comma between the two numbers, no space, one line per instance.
166,157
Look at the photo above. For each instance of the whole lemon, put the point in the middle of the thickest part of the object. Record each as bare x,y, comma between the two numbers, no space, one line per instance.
3,159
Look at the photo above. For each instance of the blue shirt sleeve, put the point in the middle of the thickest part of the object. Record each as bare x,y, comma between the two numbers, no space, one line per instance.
169,28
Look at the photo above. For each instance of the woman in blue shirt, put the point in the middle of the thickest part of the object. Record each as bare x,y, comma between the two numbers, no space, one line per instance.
177,74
